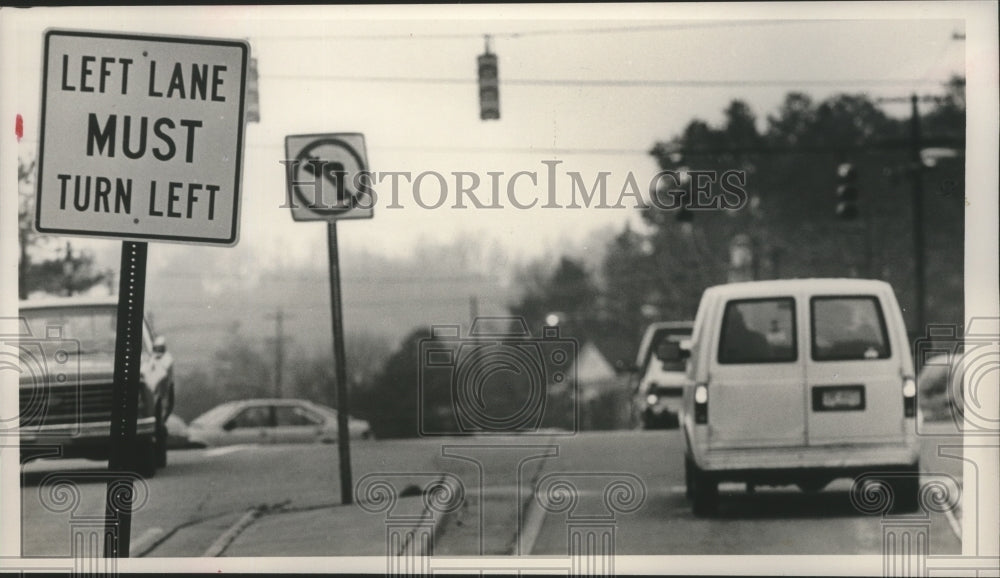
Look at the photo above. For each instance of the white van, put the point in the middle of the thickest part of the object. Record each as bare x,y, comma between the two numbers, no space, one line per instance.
799,382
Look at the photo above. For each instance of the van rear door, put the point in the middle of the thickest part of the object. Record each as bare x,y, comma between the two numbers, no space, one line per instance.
756,396
854,377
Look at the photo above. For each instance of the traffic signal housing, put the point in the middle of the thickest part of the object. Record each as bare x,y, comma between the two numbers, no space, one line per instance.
847,192
489,87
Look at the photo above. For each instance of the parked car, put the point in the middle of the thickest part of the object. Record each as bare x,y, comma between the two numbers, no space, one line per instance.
271,421
940,388
67,351
657,386
800,382
177,433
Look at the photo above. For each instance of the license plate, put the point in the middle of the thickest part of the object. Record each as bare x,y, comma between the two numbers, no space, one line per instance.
839,398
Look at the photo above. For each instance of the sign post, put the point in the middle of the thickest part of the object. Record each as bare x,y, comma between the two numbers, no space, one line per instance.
326,177
141,140
125,397
340,371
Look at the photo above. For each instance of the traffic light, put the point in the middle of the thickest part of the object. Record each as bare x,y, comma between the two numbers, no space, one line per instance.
847,192
253,93
489,87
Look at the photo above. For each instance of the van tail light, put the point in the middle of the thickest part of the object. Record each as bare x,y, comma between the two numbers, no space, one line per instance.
909,397
701,403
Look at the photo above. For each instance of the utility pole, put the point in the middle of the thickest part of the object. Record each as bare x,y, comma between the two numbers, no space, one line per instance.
473,309
916,174
915,169
279,349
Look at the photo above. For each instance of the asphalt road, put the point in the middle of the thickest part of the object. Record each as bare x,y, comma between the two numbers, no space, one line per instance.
539,495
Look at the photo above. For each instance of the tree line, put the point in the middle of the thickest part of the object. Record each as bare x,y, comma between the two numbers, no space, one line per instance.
656,269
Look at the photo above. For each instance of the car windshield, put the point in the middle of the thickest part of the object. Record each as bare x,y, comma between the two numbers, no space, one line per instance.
662,337
213,415
848,328
92,327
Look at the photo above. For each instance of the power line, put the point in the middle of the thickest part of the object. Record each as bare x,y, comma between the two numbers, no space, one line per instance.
529,33
483,150
622,83
283,278
763,150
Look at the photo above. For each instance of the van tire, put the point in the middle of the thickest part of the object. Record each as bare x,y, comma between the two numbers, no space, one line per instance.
704,492
160,444
906,492
812,486
688,477
145,458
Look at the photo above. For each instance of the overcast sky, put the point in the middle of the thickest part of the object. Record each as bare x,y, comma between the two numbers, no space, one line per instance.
405,77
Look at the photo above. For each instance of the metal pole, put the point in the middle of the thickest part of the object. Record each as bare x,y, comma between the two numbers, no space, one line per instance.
918,215
279,351
343,434
869,247
125,399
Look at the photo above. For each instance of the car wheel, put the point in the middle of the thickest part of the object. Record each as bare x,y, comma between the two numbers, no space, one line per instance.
906,491
688,477
160,444
145,458
635,419
812,485
704,492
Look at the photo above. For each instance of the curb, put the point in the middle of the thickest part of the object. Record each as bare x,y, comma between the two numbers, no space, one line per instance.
222,542
439,519
229,536
534,517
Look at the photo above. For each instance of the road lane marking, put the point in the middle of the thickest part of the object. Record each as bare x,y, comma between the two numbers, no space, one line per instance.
534,518
145,542
953,522
505,491
222,542
216,452
424,547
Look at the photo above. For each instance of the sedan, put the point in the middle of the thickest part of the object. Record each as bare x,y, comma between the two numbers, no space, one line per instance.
271,421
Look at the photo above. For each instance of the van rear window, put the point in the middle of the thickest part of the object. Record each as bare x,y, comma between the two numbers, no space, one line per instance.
758,331
848,328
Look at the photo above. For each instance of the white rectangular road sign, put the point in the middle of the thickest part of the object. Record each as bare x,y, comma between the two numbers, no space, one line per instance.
141,137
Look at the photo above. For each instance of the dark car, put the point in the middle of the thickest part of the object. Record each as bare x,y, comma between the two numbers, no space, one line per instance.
658,386
67,350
